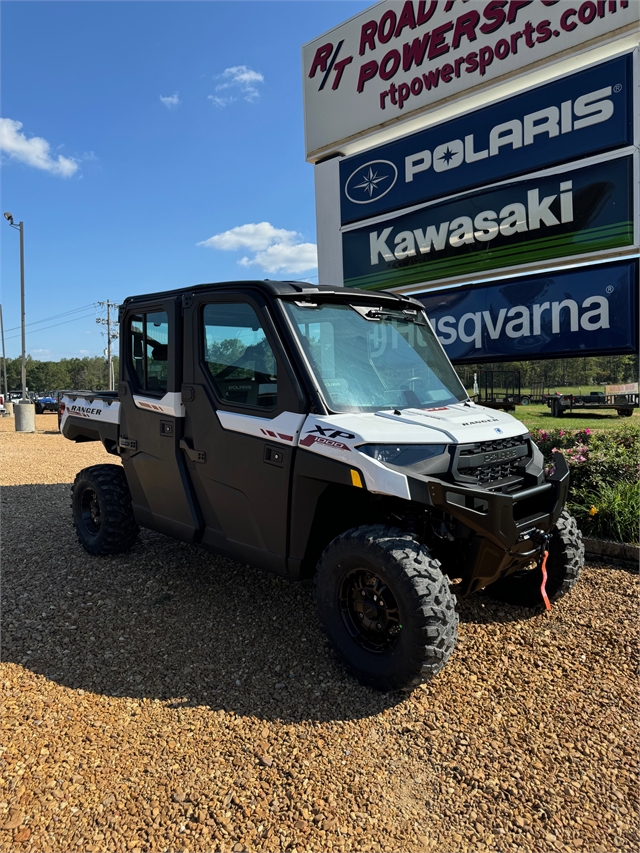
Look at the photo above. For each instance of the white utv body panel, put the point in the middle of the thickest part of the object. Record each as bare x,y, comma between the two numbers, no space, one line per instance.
89,407
338,436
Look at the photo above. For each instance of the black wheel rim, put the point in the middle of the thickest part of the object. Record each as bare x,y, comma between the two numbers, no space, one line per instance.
90,512
369,611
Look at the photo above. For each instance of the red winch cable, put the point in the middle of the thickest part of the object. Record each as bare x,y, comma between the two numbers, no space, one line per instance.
543,585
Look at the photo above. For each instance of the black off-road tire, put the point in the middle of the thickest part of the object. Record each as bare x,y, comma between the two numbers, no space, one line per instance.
414,648
101,507
564,565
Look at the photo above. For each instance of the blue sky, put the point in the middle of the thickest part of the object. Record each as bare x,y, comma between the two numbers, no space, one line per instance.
150,145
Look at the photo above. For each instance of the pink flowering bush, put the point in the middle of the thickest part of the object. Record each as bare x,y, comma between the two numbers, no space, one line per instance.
605,477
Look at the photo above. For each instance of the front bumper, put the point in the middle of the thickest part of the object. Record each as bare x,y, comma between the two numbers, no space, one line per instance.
501,521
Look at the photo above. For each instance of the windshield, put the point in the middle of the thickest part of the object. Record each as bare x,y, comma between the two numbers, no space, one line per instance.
371,358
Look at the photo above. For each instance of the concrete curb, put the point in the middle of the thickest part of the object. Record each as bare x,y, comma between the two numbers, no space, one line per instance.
606,549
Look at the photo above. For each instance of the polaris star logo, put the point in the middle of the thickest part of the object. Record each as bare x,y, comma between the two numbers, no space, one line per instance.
497,429
371,181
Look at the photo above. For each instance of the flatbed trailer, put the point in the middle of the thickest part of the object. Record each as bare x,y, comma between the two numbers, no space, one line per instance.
624,404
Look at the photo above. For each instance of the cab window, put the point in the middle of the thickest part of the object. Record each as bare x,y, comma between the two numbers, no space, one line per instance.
238,356
149,336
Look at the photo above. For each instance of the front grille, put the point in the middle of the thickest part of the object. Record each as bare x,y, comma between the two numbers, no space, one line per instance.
487,463
490,473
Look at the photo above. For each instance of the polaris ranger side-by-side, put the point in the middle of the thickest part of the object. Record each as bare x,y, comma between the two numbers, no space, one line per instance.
307,430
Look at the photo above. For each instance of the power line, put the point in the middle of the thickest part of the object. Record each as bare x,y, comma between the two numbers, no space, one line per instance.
64,322
55,316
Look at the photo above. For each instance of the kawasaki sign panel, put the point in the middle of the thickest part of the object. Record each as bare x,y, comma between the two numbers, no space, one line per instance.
580,211
583,311
583,114
399,58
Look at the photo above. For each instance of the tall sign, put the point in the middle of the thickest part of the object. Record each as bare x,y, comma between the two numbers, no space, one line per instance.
465,146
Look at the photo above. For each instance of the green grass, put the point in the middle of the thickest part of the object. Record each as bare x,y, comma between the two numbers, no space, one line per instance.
540,417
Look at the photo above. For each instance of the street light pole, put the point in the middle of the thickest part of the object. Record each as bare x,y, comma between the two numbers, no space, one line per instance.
23,314
20,227
25,412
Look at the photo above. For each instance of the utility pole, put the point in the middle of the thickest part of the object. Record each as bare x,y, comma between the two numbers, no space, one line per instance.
111,336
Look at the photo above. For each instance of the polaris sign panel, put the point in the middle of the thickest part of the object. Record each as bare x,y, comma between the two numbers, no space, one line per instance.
583,114
398,58
579,211
584,311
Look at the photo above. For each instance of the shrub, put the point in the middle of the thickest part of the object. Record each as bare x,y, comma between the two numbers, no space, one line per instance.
604,477
610,512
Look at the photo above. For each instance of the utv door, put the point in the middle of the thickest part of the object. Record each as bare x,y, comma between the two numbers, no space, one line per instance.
243,412
152,417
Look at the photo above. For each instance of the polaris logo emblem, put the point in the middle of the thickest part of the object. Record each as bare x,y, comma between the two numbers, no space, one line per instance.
497,429
371,181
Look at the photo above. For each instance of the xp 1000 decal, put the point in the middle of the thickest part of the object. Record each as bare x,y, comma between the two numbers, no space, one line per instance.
576,212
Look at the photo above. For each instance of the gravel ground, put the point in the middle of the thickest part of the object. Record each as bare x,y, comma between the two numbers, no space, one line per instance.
171,700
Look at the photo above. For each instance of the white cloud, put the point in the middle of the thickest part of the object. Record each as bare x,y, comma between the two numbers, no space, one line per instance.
171,102
285,257
255,236
239,80
35,151
220,102
275,249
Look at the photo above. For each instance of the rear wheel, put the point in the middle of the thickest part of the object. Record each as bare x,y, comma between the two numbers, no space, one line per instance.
386,607
101,507
564,565
625,413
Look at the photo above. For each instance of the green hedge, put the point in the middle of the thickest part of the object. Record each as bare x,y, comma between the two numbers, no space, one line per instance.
605,478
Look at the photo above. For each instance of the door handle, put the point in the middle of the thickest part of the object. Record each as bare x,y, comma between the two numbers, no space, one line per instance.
194,455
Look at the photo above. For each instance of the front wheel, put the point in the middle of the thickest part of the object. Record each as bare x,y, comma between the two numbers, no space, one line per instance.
102,513
386,607
564,565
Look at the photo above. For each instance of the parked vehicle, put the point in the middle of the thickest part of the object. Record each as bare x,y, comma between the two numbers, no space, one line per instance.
307,430
46,403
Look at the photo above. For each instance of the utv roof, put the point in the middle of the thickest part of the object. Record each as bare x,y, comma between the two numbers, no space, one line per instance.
284,290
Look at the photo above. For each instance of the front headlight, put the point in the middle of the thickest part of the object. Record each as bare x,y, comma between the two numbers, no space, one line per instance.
403,455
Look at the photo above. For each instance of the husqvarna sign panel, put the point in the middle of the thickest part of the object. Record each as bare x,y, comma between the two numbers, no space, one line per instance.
570,312
399,58
579,115
575,212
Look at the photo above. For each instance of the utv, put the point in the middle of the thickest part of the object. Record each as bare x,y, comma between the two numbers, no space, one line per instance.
317,431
